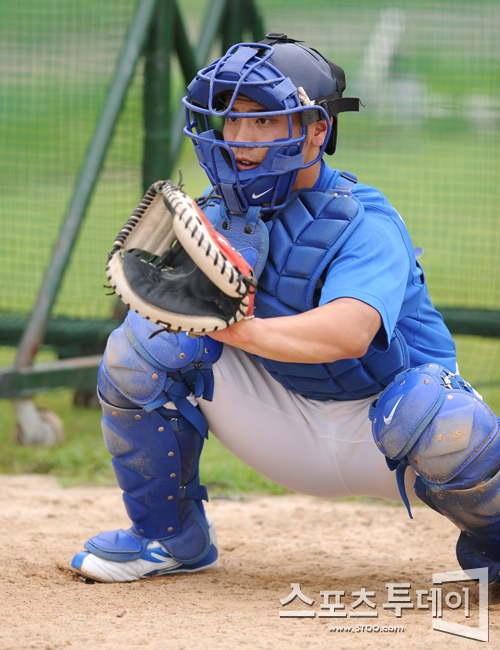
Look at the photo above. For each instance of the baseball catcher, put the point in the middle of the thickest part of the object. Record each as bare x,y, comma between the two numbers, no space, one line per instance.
339,336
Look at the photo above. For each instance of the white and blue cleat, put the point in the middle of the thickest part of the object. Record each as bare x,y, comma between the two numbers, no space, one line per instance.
155,560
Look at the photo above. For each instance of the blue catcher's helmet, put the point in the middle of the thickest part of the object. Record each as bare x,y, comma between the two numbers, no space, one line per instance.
285,78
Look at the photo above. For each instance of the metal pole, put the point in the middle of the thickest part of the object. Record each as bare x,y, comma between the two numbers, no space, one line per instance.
211,29
232,31
187,58
256,22
157,93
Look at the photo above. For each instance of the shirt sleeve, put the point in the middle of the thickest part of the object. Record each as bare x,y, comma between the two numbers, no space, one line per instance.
373,267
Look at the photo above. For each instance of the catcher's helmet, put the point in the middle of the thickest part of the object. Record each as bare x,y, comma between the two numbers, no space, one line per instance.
282,76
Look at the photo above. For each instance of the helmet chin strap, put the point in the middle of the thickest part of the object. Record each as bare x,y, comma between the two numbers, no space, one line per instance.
230,198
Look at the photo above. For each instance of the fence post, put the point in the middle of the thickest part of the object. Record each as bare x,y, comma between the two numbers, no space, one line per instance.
157,99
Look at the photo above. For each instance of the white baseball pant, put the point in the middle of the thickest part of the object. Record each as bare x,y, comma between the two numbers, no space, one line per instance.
324,449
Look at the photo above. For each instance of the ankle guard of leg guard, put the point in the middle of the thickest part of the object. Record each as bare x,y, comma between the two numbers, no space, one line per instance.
434,421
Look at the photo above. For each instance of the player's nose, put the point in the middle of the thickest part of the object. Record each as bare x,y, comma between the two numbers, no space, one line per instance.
244,132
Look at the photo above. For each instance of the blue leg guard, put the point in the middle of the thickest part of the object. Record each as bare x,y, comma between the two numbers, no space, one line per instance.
151,462
433,420
155,450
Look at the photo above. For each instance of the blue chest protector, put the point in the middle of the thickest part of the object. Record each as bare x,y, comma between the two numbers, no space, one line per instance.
304,238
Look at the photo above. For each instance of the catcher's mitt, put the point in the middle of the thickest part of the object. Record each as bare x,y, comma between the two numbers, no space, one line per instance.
170,265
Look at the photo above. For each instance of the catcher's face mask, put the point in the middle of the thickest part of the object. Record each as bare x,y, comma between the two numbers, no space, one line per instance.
285,78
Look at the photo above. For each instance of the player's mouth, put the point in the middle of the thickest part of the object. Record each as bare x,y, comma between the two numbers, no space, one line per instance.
244,164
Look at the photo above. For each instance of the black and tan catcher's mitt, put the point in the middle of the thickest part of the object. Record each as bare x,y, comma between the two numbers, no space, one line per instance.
171,266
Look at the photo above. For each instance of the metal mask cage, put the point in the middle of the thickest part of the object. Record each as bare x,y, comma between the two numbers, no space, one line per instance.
217,158
245,71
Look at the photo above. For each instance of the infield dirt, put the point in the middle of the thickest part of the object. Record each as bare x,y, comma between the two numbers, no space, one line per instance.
266,545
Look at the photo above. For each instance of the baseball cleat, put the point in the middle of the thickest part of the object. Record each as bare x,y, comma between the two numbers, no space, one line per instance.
154,561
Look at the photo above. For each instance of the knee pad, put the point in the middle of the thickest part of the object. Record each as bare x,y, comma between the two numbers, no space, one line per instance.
433,420
126,379
147,367
141,364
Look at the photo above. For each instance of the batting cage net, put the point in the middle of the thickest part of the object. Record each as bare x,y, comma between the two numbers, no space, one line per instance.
427,73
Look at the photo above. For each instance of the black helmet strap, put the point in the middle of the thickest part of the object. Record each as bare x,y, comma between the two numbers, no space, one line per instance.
333,104
337,71
278,37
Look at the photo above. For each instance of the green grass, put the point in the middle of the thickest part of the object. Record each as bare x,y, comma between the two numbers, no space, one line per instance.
82,458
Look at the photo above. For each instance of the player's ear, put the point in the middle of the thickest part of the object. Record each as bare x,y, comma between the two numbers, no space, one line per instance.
319,131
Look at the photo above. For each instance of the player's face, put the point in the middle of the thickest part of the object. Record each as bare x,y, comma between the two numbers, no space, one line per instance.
255,130
267,129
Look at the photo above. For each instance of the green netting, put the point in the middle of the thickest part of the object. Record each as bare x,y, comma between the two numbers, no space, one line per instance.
428,74
58,58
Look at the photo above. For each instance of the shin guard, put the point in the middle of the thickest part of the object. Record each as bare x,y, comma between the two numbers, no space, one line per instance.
433,420
157,469
155,434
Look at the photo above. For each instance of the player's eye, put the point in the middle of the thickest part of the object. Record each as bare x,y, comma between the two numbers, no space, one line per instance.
231,120
263,121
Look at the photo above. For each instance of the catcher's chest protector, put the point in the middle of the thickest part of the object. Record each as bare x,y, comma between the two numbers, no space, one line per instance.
304,239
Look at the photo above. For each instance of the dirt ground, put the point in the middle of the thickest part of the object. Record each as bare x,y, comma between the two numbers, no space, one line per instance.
266,545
